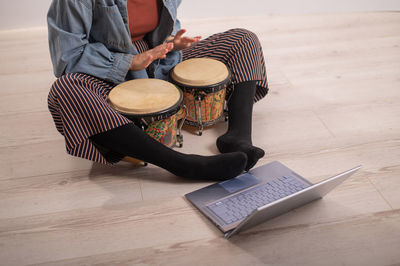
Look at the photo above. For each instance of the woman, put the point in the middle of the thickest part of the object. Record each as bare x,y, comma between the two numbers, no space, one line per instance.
97,44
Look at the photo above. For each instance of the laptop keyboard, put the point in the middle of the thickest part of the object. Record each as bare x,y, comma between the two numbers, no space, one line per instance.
239,206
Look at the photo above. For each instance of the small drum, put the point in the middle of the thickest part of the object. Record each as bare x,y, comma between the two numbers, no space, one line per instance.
153,105
204,82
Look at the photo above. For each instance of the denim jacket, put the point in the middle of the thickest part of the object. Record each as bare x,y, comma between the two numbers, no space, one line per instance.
93,37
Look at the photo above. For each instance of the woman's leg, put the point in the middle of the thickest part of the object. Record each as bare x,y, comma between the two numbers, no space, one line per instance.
131,141
238,136
240,50
78,104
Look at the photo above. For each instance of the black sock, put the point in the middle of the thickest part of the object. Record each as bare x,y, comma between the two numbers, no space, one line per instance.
132,141
238,136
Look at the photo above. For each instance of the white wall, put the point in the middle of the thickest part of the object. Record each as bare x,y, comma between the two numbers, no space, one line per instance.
32,13
23,13
215,8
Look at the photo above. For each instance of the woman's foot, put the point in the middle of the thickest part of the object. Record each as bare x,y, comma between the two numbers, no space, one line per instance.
230,143
217,167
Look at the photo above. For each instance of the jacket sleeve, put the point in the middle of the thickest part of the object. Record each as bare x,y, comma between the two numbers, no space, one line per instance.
69,24
177,23
177,27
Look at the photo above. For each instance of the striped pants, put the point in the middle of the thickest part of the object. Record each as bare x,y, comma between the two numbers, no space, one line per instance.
78,102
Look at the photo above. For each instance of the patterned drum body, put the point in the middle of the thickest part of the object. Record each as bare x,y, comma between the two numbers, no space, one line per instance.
204,82
152,105
164,130
211,106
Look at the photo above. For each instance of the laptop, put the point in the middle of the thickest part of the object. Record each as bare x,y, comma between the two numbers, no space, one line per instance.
258,195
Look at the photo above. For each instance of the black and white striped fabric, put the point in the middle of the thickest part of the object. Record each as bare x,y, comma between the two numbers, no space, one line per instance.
78,102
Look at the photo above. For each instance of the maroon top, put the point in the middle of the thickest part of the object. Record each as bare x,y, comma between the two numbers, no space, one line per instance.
143,17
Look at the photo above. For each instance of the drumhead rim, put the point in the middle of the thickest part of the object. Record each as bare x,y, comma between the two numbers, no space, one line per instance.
181,83
207,88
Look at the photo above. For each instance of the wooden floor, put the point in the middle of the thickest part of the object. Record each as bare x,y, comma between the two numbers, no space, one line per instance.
334,104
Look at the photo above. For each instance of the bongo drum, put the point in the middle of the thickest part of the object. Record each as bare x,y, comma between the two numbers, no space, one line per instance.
204,82
153,105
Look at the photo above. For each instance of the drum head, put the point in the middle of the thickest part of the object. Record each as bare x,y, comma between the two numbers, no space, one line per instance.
144,96
197,72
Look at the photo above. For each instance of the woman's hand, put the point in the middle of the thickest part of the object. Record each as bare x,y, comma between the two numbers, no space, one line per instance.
143,60
183,42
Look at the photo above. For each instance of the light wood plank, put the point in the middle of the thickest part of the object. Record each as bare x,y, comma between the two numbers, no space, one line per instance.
386,181
70,191
348,242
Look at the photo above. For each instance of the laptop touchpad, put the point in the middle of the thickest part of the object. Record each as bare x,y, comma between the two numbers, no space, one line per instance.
238,183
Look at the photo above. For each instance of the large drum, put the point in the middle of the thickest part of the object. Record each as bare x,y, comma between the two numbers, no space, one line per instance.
153,105
204,82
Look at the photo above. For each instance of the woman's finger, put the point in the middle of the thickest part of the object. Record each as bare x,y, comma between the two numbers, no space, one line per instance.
170,46
161,51
165,46
188,39
179,34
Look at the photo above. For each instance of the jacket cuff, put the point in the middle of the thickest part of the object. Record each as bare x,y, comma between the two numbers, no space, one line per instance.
120,68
